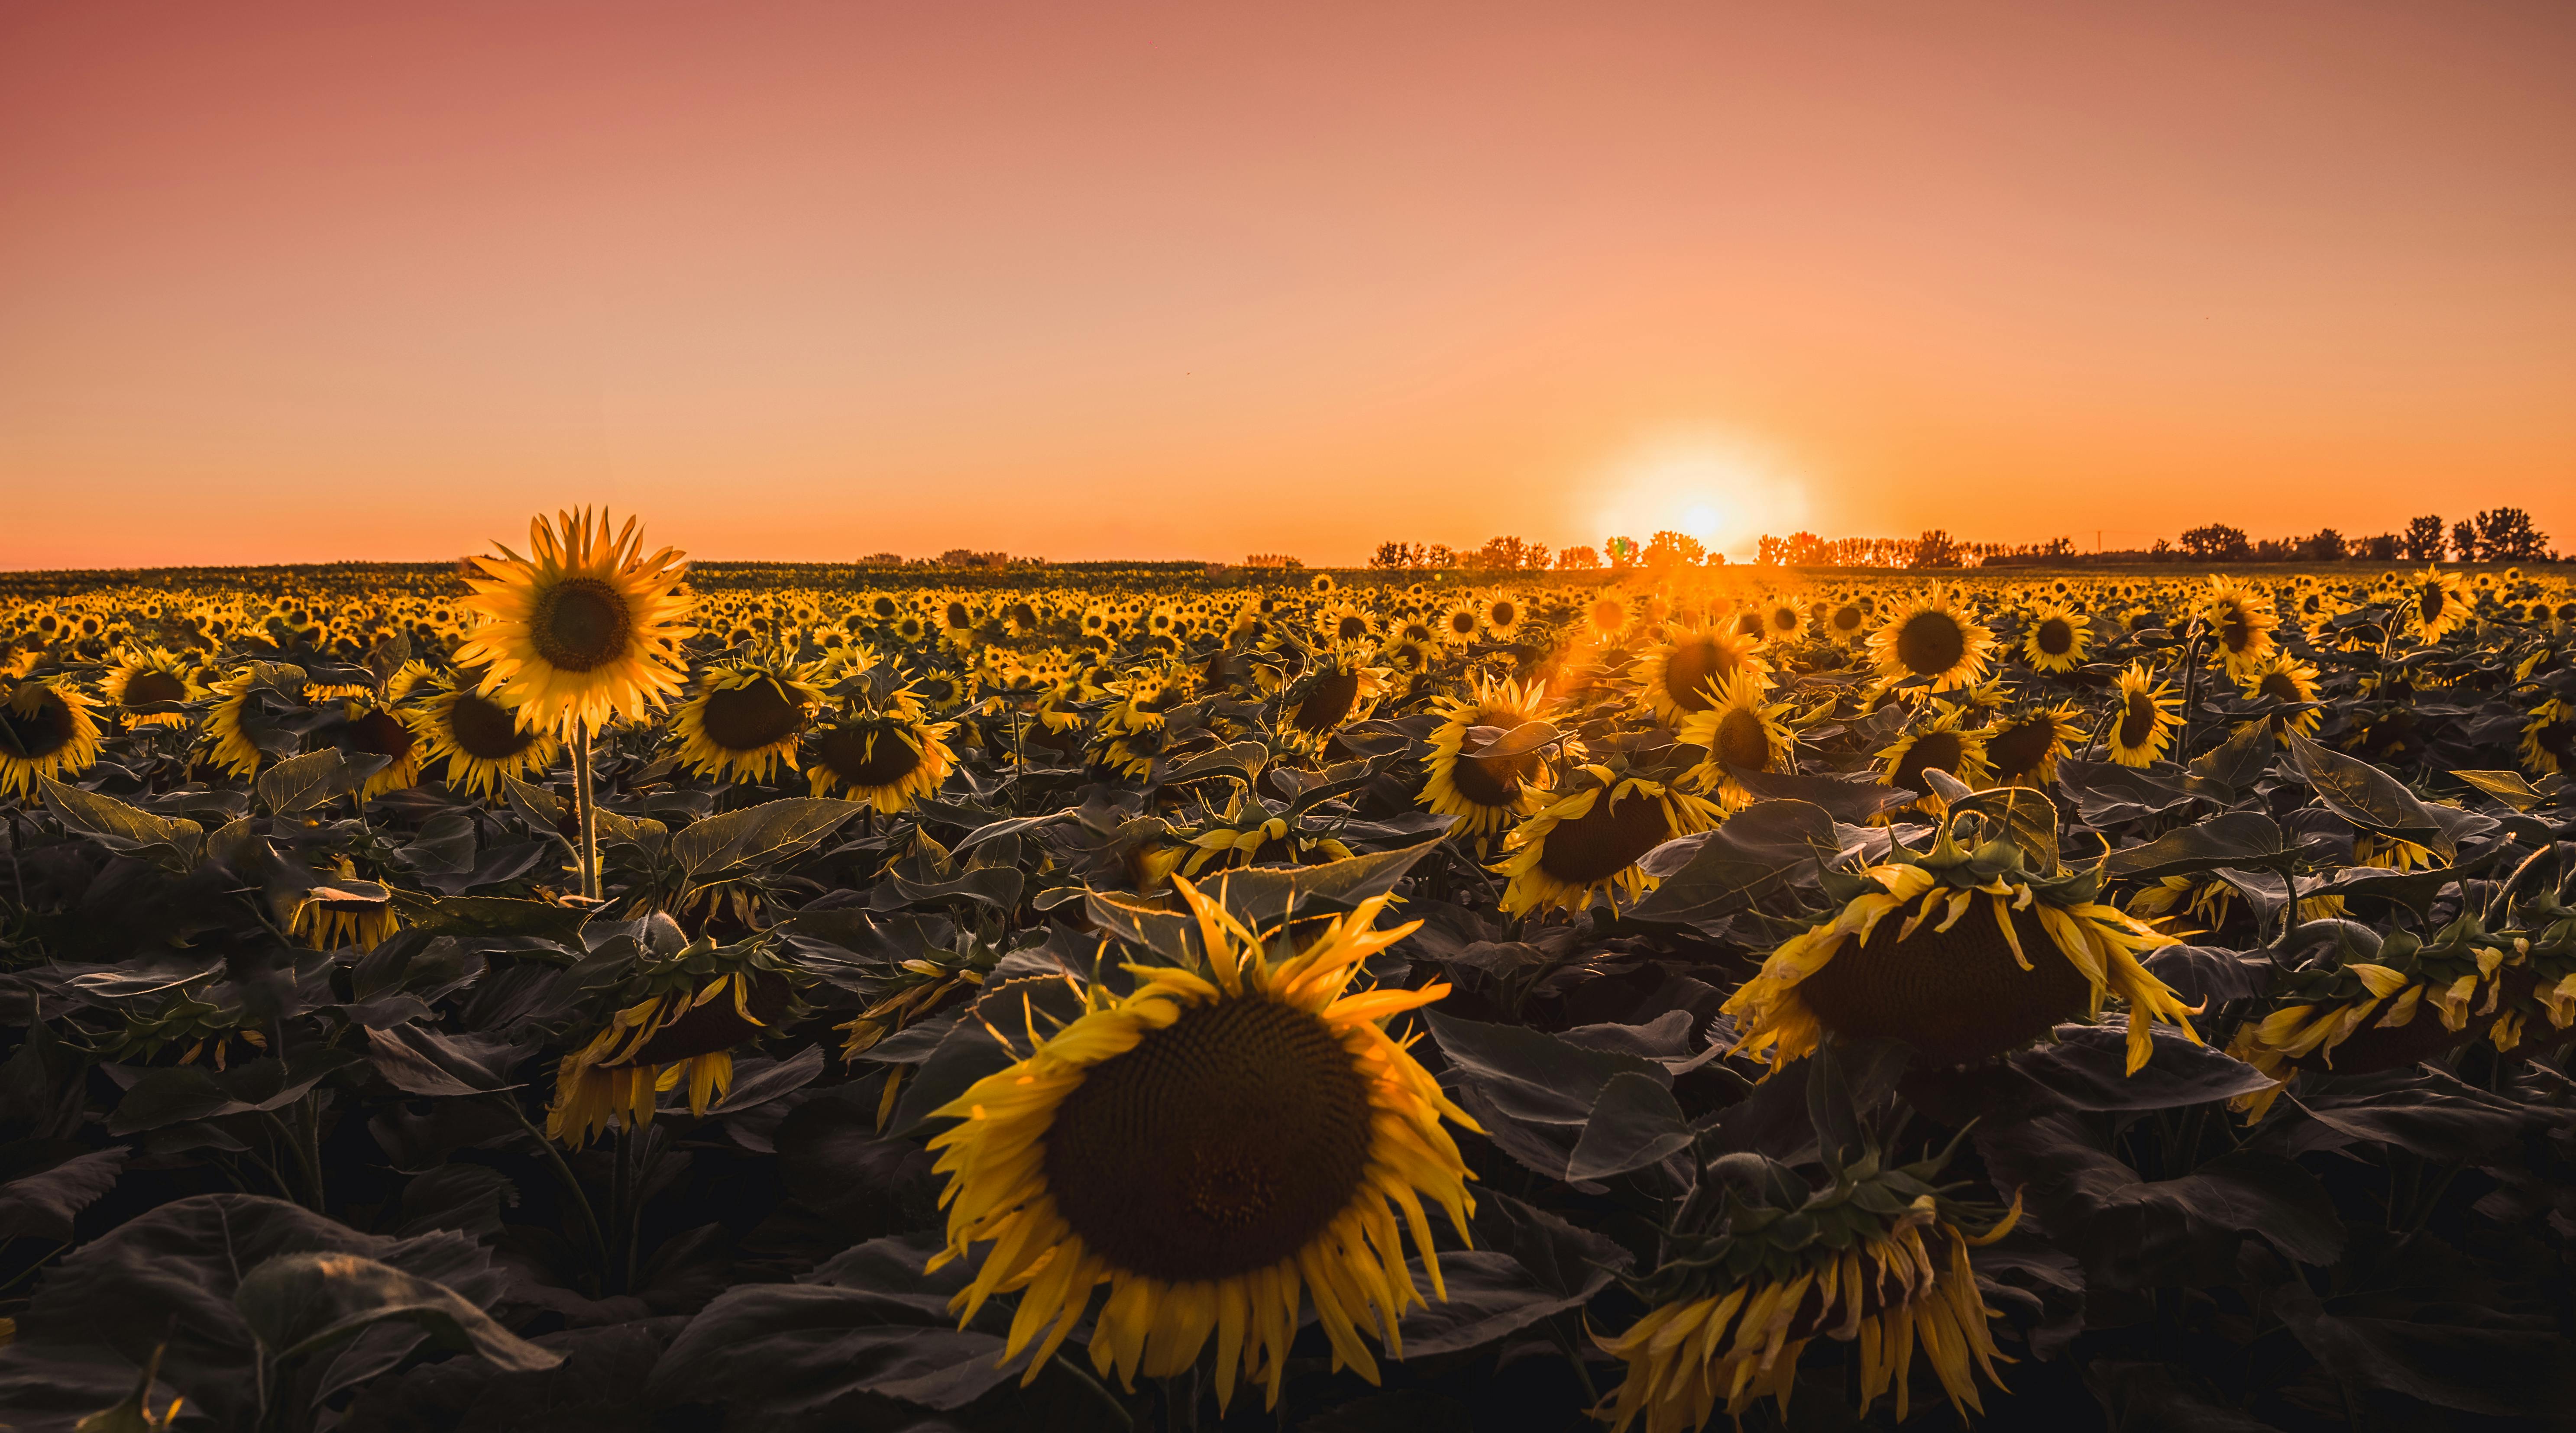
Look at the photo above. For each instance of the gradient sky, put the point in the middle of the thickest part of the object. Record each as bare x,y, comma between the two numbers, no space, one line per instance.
291,282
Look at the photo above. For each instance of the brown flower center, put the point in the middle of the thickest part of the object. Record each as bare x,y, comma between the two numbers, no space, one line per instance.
581,624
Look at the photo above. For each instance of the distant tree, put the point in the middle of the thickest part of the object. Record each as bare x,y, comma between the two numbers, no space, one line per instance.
1509,554
882,559
1439,555
2423,540
2506,535
1271,559
2217,542
1621,551
1397,554
2464,540
2324,545
1769,551
1673,549
968,557
2163,551
1935,549
2382,548
1577,559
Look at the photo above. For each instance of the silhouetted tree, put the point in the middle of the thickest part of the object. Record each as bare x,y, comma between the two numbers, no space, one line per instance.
2217,542
1577,559
2506,535
2423,540
1674,549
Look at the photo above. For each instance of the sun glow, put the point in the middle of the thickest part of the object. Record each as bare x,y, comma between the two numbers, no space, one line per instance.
1719,488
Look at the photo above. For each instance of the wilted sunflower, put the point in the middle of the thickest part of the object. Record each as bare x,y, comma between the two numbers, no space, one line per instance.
1777,1263
889,758
2434,602
2056,640
2148,713
2289,681
1217,1147
1929,639
2549,739
45,730
1992,956
2023,750
1741,730
1483,792
1588,837
344,912
583,632
2241,617
1675,677
2322,1016
1252,833
377,730
1334,689
697,1004
480,737
1944,743
143,676
745,720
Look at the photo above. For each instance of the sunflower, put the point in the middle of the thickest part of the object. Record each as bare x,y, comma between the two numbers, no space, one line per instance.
585,631
144,676
1252,833
1780,1263
1990,958
1846,622
2289,681
2055,641
344,914
229,744
479,736
46,730
1675,676
1945,743
376,730
2434,603
745,720
697,1004
1218,1147
1929,639
1588,837
2023,750
1484,793
1502,617
2323,1017
890,759
2549,739
2147,717
2241,617
1335,689
1782,620
1741,730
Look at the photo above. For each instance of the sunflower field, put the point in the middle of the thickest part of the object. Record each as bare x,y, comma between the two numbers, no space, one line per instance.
581,991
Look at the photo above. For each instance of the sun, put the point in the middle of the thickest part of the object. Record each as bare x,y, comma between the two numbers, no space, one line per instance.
1722,488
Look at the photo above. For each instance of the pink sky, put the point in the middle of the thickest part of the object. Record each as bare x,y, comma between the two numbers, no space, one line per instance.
289,282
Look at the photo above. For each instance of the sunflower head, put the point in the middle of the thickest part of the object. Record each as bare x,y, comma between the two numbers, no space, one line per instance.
1930,640
1678,676
2143,722
886,755
1594,828
679,1018
584,630
46,730
2410,1000
2055,639
1740,731
745,719
1235,1136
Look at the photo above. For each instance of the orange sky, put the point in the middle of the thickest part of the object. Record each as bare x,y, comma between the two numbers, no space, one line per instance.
303,282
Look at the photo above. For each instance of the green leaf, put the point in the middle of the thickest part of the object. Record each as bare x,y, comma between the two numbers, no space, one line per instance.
2244,757
173,843
2366,796
2507,787
2234,838
304,1302
1529,736
2025,816
1635,1123
762,835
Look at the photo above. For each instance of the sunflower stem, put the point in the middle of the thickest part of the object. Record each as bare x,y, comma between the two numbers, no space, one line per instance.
586,806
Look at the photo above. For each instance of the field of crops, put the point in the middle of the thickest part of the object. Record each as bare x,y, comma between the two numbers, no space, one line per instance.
596,995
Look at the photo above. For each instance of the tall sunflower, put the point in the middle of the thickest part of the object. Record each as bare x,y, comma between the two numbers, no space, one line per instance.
1741,730
1484,793
2055,639
745,720
1589,836
585,630
1990,957
1218,1147
46,730
1929,639
479,736
1774,1263
2147,715
1674,676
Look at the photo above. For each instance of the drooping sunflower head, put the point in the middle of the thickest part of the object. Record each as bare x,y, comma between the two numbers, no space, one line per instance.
2549,739
372,728
342,910
1931,640
1589,836
889,757
1873,1253
1965,952
2143,723
46,730
583,631
2411,1000
745,719
1223,1143
682,1014
479,736
1676,677
1484,792
2055,639
1740,731
1335,688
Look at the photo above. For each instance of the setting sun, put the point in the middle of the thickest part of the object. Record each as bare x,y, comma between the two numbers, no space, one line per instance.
1722,489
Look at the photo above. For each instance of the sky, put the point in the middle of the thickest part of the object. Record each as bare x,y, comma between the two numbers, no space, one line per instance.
811,281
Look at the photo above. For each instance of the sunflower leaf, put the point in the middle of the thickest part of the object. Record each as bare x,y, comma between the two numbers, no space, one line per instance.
2233,838
757,836
2366,796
